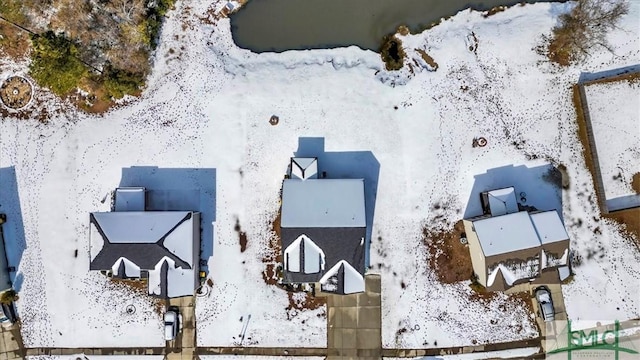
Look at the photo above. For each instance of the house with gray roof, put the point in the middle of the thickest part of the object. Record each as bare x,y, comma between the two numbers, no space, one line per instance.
161,247
323,229
511,244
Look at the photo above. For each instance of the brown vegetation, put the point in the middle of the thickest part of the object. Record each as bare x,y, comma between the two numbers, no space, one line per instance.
583,29
139,286
635,182
108,44
273,257
448,257
392,53
428,59
494,10
309,302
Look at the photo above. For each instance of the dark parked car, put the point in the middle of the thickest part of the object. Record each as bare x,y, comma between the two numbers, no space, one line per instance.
545,304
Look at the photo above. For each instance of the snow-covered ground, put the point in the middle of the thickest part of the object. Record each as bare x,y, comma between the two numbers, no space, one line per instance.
504,354
207,105
615,118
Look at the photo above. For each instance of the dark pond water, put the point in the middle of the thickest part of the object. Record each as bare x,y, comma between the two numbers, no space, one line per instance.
280,25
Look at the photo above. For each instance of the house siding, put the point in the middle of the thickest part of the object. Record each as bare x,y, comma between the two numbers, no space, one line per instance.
197,238
475,250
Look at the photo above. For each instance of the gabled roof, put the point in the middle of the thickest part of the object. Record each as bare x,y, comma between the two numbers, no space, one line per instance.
518,231
130,199
304,168
323,203
502,201
143,238
303,255
342,278
335,244
549,227
506,233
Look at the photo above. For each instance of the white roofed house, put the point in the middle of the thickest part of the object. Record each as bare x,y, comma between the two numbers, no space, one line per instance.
159,246
323,229
510,245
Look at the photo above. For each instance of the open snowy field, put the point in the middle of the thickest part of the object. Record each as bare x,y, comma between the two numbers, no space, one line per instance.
615,118
207,105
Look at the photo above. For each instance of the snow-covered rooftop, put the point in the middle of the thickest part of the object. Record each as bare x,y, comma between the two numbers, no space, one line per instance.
304,168
130,199
549,227
313,260
323,203
138,227
506,233
502,201
347,279
518,231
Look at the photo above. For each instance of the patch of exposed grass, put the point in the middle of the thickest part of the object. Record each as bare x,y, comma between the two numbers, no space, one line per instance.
635,182
55,63
449,258
428,59
308,303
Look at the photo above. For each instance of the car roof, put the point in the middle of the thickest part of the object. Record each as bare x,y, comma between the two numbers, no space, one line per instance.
170,316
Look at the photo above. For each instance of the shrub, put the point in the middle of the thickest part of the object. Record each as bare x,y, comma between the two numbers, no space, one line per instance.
583,29
392,53
8,297
119,83
55,63
154,19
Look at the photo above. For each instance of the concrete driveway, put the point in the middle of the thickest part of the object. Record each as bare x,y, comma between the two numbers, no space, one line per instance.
353,323
10,343
184,346
558,305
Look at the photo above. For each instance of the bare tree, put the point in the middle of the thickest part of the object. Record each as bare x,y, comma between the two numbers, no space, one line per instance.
585,28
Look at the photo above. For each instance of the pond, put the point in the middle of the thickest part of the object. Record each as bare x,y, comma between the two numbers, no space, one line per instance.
280,25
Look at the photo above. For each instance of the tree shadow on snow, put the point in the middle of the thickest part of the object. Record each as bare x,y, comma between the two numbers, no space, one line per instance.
540,187
346,165
179,189
13,229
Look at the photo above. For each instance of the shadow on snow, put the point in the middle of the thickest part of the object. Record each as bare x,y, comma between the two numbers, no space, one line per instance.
179,189
539,186
346,165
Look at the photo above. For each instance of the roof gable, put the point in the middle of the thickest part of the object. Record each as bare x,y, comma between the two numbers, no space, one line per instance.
304,168
549,227
502,201
343,278
303,255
